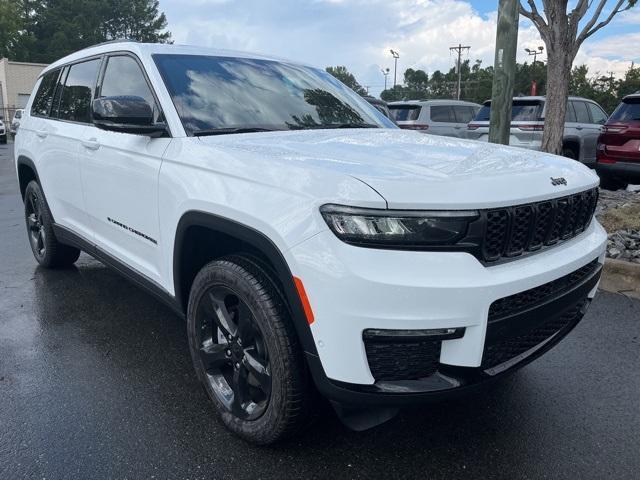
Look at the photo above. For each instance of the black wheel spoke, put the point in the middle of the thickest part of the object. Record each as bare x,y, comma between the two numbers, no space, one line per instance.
245,327
222,317
240,392
257,369
32,222
214,355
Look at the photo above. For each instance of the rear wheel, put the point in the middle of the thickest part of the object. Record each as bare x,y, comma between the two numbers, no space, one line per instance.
245,351
45,247
569,152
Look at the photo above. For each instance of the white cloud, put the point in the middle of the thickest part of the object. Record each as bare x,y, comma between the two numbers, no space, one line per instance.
359,33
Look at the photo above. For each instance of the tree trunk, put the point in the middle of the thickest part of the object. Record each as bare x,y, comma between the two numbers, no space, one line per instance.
558,75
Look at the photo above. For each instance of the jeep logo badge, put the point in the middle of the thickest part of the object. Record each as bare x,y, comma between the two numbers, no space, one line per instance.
558,181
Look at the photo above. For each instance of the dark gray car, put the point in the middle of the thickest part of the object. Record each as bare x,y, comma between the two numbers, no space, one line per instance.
582,126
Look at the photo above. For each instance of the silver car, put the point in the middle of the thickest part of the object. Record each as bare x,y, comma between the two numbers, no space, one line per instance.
438,117
582,126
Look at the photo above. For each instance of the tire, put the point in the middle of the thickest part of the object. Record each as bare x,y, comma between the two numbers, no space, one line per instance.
253,370
46,249
3,140
609,183
569,152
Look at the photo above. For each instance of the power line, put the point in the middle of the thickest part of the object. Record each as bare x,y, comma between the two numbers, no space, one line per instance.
459,49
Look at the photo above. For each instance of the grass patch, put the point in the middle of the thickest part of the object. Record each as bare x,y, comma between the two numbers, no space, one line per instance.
622,218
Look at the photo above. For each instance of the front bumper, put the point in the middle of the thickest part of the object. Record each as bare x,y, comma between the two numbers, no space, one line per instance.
352,289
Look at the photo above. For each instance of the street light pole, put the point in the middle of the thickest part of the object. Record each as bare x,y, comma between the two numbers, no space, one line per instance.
535,53
385,72
395,56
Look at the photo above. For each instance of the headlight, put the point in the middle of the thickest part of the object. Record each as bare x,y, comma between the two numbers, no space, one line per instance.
397,228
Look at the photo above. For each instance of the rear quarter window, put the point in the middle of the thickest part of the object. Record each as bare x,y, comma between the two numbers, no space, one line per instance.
403,113
521,111
43,100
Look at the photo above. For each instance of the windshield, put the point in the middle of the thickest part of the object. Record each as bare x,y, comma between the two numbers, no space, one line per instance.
230,95
403,113
521,110
627,111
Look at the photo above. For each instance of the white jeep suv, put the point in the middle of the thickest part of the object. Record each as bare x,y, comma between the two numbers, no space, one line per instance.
310,244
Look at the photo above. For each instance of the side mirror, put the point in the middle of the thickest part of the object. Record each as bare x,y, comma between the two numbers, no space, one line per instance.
126,114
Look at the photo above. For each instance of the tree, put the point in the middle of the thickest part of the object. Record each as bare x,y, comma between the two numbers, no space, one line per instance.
346,77
560,32
10,26
51,29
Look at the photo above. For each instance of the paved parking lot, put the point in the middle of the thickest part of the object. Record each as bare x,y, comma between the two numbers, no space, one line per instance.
96,382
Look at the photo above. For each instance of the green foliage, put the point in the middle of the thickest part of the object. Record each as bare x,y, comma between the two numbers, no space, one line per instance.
477,84
10,26
50,29
346,77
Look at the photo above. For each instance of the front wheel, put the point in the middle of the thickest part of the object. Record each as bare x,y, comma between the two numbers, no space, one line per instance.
245,351
608,183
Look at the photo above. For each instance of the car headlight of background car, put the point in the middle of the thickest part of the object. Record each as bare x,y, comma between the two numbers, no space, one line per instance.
397,228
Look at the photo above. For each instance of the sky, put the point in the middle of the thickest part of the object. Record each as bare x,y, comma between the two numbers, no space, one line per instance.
359,33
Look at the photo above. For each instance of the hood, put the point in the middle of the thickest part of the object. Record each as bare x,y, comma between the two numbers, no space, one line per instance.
414,170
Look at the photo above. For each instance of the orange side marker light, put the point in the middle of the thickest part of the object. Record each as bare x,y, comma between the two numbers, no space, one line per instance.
305,300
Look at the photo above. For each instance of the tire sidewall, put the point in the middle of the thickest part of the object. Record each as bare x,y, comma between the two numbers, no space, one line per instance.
235,278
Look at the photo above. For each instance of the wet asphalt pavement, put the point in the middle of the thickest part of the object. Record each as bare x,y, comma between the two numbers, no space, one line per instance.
96,382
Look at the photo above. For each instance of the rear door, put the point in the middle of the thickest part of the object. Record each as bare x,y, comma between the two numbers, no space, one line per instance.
442,121
120,174
58,136
595,128
587,131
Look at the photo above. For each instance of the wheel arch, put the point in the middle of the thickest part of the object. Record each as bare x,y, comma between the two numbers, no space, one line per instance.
574,144
27,171
227,236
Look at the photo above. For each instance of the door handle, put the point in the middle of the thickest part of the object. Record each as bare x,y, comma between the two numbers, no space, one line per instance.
91,144
579,128
41,133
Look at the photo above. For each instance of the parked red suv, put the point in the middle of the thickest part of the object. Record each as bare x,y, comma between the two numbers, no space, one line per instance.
618,161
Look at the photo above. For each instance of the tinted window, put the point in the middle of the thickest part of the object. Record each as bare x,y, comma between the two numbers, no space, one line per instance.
597,114
403,113
44,97
123,76
463,113
224,92
627,111
582,113
571,113
442,113
75,101
521,111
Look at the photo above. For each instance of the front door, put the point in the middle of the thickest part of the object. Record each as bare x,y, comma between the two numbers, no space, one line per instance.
120,174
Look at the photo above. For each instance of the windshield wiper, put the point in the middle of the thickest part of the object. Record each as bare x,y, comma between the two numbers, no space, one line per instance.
228,130
334,125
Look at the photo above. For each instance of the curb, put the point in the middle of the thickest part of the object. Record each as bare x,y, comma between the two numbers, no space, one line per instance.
622,277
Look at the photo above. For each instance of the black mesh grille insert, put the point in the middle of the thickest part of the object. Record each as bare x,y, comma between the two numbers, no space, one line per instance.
519,302
402,360
512,231
500,352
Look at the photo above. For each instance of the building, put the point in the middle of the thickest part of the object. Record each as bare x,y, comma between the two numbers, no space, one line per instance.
17,80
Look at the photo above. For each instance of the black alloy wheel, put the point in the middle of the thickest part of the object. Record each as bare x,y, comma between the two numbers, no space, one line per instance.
36,230
233,352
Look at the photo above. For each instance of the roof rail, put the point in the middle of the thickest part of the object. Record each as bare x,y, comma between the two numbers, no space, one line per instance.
116,40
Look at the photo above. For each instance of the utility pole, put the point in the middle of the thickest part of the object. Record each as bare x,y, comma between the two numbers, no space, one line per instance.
395,56
459,49
504,71
385,72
